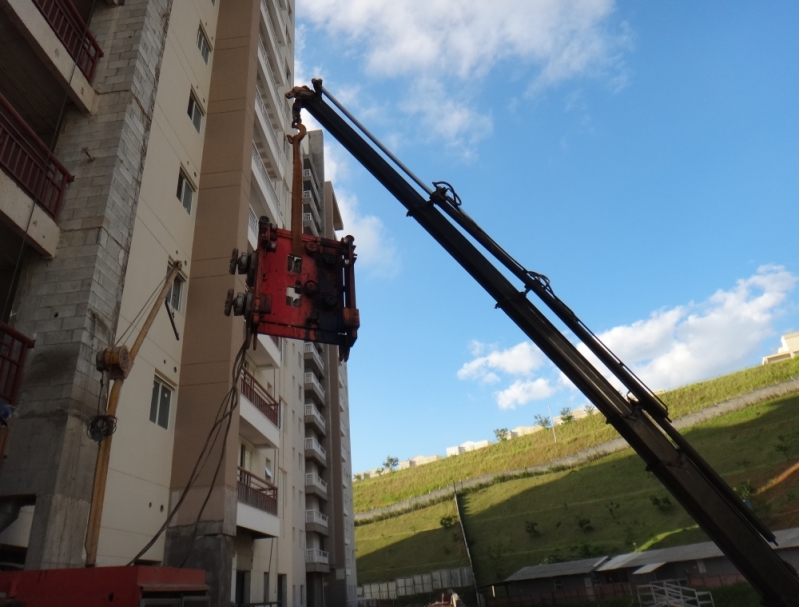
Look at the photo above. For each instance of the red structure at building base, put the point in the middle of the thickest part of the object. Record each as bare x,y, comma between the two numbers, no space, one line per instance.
93,587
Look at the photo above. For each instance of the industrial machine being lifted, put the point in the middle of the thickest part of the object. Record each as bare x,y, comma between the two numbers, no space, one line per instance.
316,302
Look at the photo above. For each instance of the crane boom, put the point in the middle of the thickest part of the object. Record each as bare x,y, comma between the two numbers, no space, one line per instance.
640,417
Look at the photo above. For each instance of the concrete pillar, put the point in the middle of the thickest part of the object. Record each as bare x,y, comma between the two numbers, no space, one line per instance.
70,304
211,339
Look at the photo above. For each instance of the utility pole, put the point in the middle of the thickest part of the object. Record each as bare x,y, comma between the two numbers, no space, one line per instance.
552,419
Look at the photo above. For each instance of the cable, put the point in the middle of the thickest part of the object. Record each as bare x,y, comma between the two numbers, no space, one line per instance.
237,367
139,314
226,408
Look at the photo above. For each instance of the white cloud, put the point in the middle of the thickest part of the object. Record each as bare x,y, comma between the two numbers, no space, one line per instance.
671,348
410,37
376,250
522,392
521,359
444,46
697,341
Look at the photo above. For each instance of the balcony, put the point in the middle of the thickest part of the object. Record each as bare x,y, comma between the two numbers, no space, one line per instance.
271,42
313,357
307,207
309,223
266,139
29,162
256,508
315,451
252,229
73,33
309,198
314,485
259,413
316,522
313,417
314,388
267,190
14,347
316,561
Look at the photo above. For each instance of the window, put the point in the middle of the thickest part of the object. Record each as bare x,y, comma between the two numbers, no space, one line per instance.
159,405
194,112
558,584
175,295
185,192
202,44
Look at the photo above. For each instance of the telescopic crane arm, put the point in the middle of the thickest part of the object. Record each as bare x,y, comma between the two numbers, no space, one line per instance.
640,417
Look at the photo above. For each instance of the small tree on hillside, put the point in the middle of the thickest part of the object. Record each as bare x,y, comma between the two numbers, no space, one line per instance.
542,421
590,409
358,477
391,463
566,415
502,434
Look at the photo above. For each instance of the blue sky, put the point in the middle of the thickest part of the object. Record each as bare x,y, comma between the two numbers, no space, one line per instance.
644,156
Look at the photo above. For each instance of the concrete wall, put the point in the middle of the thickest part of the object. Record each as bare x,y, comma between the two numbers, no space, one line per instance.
70,304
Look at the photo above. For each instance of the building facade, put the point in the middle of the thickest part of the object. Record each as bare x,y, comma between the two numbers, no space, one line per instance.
133,136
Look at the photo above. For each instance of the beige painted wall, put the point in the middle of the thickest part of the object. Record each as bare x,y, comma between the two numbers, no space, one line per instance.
138,491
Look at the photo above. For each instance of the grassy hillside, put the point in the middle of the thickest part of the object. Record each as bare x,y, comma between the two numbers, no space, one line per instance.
605,507
539,448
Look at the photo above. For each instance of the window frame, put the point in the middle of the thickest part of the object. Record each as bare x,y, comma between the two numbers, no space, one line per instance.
202,41
180,280
156,401
195,112
183,183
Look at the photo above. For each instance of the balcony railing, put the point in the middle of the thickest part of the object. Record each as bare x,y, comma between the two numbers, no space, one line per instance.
14,347
257,492
308,221
310,378
310,352
314,516
313,480
270,193
29,161
260,101
315,555
73,32
313,445
258,396
311,411
252,221
314,212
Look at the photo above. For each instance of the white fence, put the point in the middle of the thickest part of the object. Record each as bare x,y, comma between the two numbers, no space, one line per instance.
418,584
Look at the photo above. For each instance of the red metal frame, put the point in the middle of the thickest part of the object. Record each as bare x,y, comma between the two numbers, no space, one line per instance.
14,347
30,162
259,397
315,304
73,32
256,492
101,586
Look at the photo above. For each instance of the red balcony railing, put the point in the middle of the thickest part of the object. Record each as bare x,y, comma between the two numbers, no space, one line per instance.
13,348
72,30
259,397
257,492
29,161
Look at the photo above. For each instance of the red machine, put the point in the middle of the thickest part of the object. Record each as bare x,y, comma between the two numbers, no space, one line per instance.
104,586
308,296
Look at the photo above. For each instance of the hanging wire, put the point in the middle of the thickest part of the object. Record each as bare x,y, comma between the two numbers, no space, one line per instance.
224,413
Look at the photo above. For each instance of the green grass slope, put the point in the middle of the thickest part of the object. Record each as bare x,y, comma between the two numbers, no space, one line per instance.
605,507
539,448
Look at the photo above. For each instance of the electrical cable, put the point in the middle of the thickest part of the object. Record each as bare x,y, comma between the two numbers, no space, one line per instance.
226,409
237,367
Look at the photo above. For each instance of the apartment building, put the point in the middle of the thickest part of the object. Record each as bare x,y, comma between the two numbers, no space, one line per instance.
133,136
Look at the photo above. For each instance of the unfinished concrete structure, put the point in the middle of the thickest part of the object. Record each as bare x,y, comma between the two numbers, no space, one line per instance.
133,137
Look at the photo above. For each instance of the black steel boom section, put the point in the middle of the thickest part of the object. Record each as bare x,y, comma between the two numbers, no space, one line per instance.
640,417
